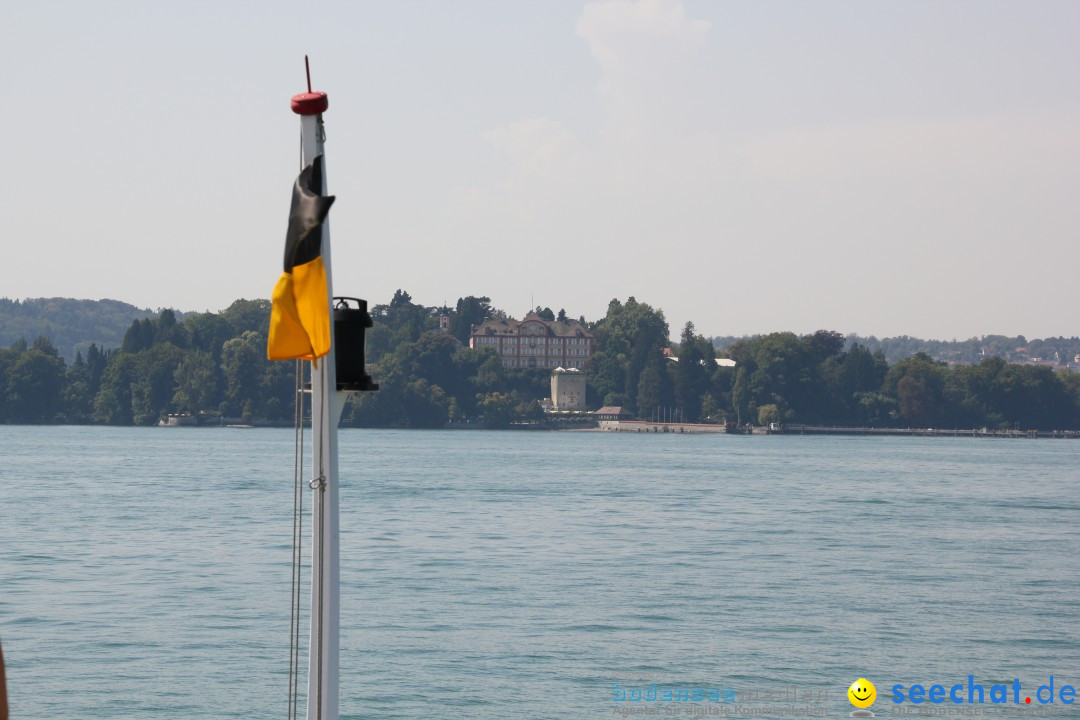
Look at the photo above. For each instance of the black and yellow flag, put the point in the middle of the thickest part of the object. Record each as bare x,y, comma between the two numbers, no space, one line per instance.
300,318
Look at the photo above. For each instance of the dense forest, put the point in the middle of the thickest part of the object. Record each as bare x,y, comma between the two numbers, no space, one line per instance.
73,325
213,365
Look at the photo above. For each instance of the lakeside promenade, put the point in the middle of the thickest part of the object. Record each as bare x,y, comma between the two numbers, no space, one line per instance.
639,426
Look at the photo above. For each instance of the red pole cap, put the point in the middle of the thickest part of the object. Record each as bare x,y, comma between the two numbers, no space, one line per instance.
309,103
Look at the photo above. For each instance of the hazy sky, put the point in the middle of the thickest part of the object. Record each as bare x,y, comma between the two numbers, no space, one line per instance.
890,167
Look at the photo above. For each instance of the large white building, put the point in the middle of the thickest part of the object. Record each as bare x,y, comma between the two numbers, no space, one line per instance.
536,342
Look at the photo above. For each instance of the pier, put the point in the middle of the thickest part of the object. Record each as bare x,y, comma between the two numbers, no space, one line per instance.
645,426
927,432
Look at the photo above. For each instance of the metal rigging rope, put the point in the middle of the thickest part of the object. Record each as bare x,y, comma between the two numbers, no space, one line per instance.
298,523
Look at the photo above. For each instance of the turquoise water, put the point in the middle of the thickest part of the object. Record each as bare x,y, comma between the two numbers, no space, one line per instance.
144,573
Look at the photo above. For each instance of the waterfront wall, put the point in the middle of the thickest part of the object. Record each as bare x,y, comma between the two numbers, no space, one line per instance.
659,427
927,432
639,426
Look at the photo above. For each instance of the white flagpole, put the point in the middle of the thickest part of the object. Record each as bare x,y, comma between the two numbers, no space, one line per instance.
326,406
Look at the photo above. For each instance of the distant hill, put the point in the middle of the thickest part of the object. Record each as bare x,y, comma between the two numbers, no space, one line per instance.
1059,351
72,325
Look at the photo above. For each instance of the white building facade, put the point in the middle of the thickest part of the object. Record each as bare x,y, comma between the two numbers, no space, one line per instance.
567,389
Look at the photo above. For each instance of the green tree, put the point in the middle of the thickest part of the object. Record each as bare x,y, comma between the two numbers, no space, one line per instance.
918,384
277,390
426,405
768,414
96,360
966,397
490,374
628,336
785,375
209,331
453,411
404,320
431,357
846,377
168,331
875,409
154,387
917,402
78,398
242,361
35,383
382,408
113,402
825,344
147,332
140,336
498,410
468,312
740,396
709,408
248,315
378,342
531,411
650,388
1032,397
196,382
692,373
7,356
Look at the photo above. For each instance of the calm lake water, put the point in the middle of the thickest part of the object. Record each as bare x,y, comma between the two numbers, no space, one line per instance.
144,573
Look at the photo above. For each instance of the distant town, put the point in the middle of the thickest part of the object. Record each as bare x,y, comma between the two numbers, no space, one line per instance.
475,365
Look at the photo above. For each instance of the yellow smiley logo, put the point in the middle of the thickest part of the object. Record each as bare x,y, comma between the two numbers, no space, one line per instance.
862,693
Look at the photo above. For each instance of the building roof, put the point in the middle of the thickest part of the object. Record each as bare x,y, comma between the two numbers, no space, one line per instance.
496,327
722,362
511,327
611,410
